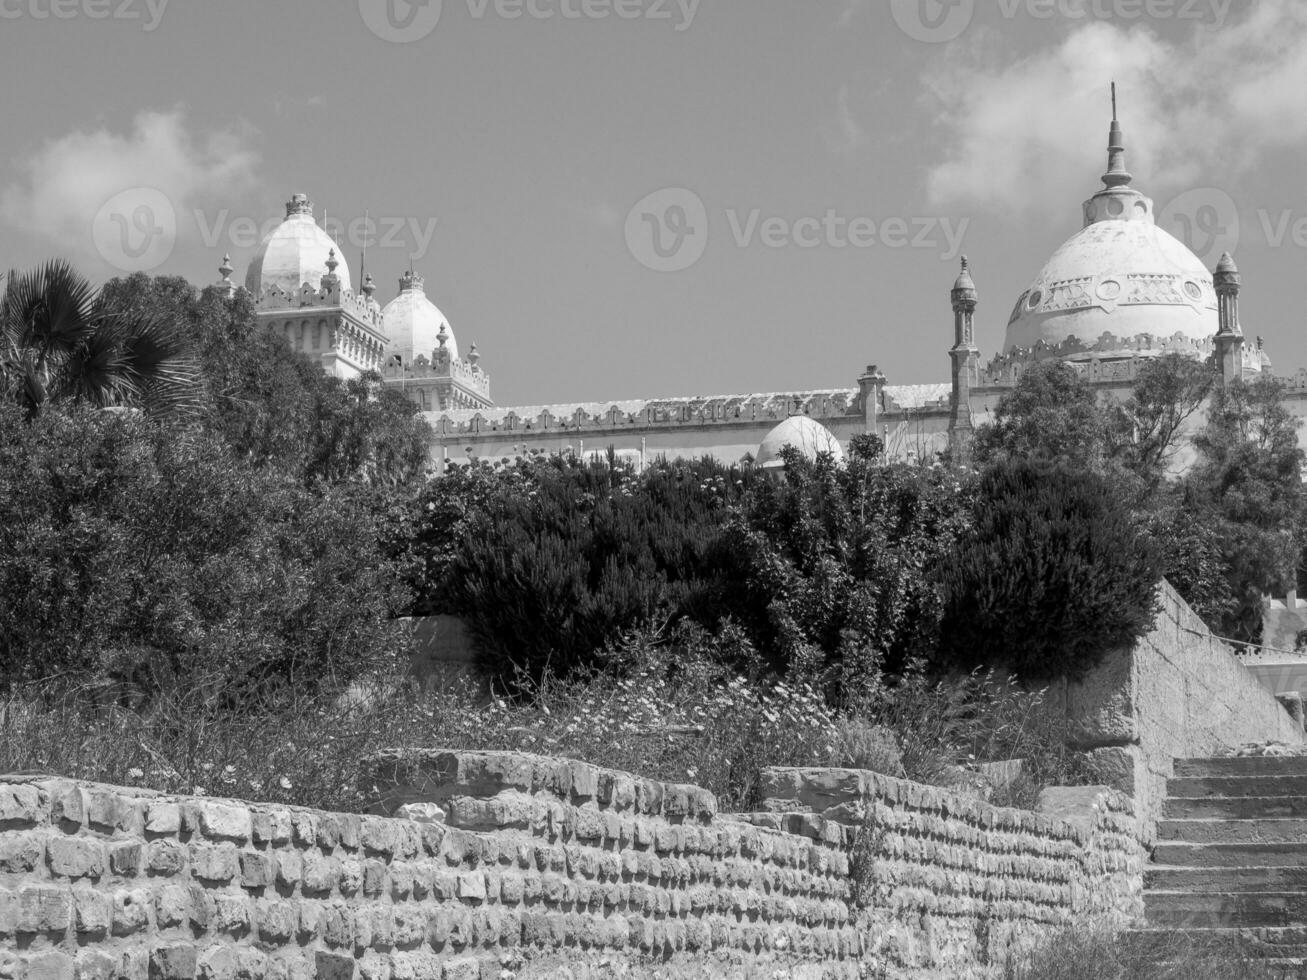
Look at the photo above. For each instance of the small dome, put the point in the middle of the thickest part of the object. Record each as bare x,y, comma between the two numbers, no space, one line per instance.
808,437
295,253
413,323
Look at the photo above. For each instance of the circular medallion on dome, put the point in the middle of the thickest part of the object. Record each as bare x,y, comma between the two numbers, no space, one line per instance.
1109,290
1036,298
1193,290
1115,208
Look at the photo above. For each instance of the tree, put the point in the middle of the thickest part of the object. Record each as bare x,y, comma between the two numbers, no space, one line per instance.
1054,573
275,406
1052,415
1145,431
1247,490
62,341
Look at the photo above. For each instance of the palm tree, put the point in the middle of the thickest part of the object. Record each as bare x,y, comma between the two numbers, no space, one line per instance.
60,340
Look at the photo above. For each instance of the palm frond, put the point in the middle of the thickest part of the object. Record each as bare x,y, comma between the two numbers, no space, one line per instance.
48,310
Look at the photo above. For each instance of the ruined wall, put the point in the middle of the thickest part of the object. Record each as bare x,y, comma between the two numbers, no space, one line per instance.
543,864
1178,694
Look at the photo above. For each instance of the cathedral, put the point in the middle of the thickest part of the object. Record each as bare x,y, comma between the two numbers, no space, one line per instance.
1120,291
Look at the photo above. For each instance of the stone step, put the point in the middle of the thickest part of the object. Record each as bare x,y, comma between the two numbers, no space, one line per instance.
1202,787
1281,830
1247,855
1229,880
1235,807
1293,765
1189,910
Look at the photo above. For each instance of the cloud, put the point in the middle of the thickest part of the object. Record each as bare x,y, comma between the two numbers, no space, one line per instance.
67,180
843,132
851,10
1019,135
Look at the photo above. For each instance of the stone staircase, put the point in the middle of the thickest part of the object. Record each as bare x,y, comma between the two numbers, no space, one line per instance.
1230,865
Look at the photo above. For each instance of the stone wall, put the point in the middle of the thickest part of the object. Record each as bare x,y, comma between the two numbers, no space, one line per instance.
543,864
1179,693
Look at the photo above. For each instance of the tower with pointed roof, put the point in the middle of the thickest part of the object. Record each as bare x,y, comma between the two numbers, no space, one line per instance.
966,366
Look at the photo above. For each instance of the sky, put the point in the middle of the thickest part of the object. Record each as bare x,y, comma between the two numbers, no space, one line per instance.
618,199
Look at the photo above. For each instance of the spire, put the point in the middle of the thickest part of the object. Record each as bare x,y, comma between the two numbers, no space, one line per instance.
1117,175
369,287
1230,339
964,290
330,281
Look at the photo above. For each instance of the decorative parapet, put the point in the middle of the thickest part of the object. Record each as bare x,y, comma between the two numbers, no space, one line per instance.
441,368
357,305
604,417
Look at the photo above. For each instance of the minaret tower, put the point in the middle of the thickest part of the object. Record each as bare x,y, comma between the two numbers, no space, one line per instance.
1230,340
966,361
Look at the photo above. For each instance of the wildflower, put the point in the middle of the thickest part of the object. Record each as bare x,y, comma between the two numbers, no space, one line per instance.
134,773
284,782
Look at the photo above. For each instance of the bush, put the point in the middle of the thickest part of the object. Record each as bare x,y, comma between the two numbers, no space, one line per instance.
551,560
1054,573
143,555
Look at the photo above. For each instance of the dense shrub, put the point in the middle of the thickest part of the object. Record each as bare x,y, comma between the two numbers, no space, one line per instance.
833,568
147,555
1054,573
551,560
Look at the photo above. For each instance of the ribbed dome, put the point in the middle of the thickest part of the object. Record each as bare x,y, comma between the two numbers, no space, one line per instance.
413,323
1120,275
295,253
807,436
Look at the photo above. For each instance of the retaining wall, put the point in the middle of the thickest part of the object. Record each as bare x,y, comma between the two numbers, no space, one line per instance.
546,865
1180,693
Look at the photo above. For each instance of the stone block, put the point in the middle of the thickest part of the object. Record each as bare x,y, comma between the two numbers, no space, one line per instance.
95,964
93,911
163,818
43,908
218,963
20,853
50,966
125,858
231,912
321,873
333,966
217,863
277,920
219,821
256,869
165,857
172,905
67,806
130,911
20,804
270,826
173,962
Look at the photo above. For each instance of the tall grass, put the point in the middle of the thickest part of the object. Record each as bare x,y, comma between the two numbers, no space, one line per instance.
1100,954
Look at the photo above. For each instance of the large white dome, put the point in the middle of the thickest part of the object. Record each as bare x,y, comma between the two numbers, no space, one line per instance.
295,253
1120,275
413,323
809,437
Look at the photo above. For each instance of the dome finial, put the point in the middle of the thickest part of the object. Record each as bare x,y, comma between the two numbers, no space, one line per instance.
299,204
1117,175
